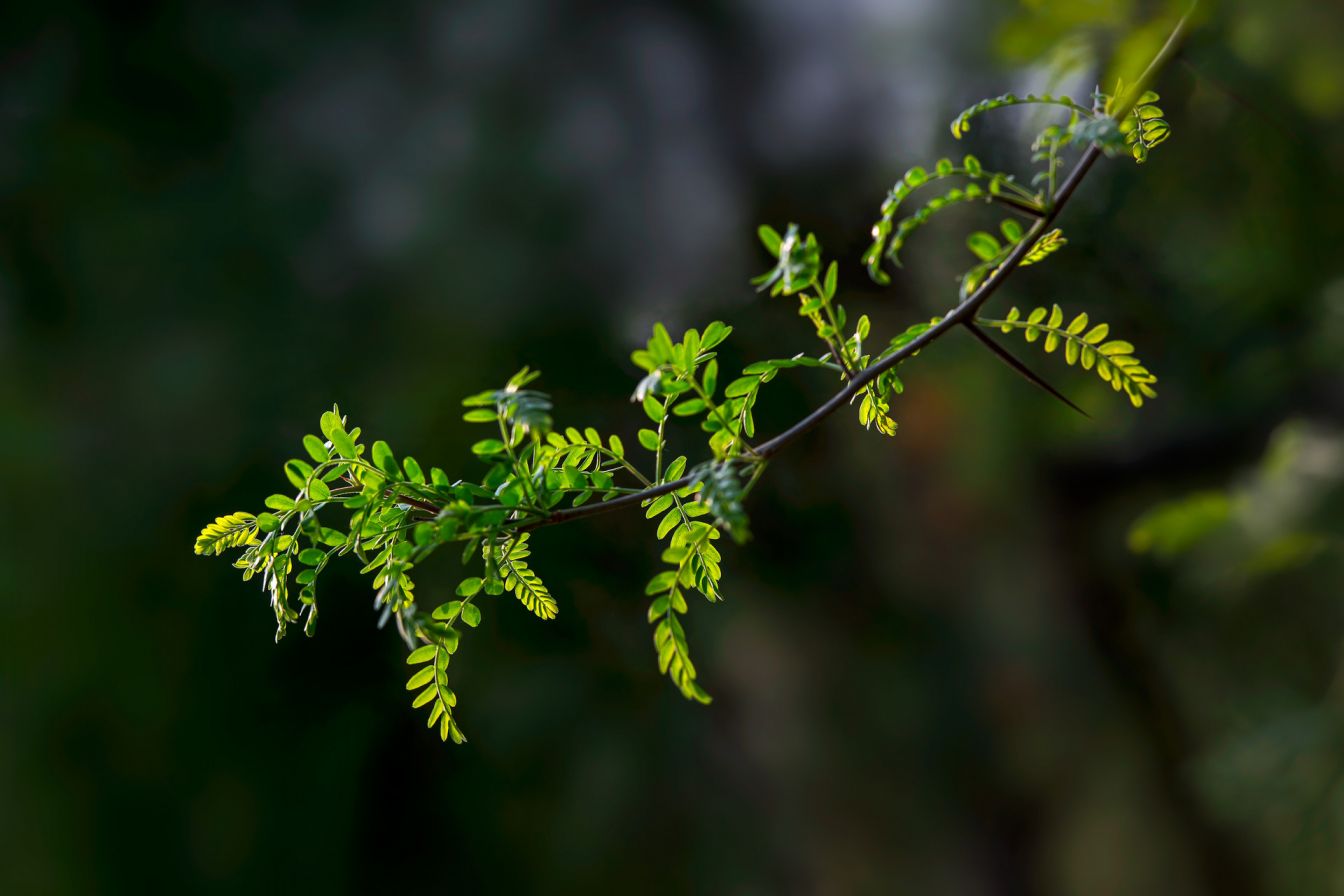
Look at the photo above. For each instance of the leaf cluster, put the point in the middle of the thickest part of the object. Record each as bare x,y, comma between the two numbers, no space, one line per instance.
1084,345
354,497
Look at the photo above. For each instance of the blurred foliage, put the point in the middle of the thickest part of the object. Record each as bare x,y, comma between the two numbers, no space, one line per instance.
940,668
1278,519
1273,765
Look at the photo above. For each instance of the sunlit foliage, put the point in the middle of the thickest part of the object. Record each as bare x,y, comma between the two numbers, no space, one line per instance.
392,514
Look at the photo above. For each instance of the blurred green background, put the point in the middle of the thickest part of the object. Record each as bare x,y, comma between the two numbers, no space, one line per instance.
946,664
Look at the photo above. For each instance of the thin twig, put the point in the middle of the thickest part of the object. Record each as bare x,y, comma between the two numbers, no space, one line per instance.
1019,205
1017,364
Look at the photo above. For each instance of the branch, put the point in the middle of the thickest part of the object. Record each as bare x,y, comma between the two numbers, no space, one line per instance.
406,518
962,314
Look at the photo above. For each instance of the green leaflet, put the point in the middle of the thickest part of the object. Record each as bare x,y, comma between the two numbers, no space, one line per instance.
226,532
875,404
1144,128
992,253
984,246
431,684
516,409
1113,360
721,491
695,566
1049,243
798,261
889,234
508,561
962,123
973,192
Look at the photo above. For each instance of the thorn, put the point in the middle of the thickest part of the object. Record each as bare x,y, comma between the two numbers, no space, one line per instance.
1012,361
1022,207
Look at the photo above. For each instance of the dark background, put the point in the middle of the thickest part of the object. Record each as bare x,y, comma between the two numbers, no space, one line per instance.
940,668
